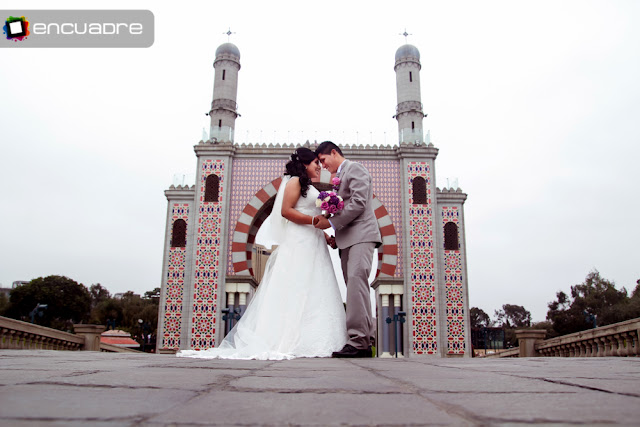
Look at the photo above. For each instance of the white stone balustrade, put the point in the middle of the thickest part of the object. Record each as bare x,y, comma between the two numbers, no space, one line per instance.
18,335
616,340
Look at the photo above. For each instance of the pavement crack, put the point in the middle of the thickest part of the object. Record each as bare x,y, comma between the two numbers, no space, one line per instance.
586,387
108,386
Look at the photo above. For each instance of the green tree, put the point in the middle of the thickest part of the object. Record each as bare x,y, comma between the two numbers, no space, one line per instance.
513,316
4,304
595,298
67,301
510,317
152,295
98,294
107,312
479,318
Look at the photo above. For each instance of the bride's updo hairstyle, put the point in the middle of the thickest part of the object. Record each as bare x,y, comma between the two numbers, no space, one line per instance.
297,166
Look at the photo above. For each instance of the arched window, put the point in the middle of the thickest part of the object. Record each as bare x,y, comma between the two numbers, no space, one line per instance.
212,188
179,234
419,191
451,237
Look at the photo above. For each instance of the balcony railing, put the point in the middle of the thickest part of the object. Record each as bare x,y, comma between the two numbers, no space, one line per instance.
18,335
616,340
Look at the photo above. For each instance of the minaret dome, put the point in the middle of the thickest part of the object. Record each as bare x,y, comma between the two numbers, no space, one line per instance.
409,107
224,109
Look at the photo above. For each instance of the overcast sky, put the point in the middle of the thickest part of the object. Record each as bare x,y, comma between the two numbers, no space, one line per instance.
534,106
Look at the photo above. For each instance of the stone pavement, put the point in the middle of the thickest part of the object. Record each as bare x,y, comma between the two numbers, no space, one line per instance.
63,388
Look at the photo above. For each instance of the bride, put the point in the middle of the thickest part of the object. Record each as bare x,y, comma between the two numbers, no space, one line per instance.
297,310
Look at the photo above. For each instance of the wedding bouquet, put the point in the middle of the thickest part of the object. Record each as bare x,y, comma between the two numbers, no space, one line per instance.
329,202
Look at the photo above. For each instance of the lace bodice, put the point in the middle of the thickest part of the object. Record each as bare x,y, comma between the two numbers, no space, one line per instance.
307,205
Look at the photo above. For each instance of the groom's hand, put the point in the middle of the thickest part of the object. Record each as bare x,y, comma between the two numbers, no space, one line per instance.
332,243
321,222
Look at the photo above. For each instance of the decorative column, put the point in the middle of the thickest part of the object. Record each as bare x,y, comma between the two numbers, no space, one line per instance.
91,335
243,286
210,244
452,258
397,307
388,289
527,339
176,268
419,240
384,326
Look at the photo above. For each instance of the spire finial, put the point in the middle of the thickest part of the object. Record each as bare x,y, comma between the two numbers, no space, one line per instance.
228,33
405,34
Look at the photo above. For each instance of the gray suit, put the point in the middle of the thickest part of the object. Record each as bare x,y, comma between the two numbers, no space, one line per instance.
357,236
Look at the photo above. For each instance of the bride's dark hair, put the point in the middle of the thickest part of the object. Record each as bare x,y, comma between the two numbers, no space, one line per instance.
300,159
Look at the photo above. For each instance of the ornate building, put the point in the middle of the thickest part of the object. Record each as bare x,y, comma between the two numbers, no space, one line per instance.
211,229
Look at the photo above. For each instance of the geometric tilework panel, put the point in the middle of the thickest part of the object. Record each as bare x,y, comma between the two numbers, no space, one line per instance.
454,299
207,259
385,175
422,266
174,285
249,176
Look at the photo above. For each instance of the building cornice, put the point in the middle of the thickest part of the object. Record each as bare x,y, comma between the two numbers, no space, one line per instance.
180,192
450,195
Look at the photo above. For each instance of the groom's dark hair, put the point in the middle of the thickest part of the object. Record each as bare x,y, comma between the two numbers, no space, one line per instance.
326,147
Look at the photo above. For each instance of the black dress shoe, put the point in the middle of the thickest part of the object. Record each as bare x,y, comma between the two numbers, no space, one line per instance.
349,351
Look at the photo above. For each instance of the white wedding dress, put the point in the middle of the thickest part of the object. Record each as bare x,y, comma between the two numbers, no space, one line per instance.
297,310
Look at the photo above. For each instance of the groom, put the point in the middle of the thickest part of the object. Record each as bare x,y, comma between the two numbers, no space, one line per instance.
357,236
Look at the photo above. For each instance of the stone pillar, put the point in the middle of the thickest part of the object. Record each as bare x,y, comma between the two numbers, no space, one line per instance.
398,332
242,302
231,305
385,326
91,335
244,286
528,339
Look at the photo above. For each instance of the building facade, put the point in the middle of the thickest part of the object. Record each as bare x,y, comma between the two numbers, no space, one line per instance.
208,264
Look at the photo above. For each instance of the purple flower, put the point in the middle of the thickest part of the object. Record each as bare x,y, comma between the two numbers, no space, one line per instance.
322,195
332,209
340,205
324,206
334,200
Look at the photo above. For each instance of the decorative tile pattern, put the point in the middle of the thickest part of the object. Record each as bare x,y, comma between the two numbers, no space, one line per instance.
248,175
421,259
248,178
387,182
454,287
207,260
174,285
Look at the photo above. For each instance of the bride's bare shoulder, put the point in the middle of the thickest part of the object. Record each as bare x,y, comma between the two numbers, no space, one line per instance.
294,181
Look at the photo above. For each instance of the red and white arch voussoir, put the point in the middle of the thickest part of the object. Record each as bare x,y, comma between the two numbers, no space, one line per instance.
253,215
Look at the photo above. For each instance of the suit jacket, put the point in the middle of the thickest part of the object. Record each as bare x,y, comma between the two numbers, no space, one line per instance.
357,222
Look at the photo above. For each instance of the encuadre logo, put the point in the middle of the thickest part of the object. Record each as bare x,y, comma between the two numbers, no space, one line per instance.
16,28
77,28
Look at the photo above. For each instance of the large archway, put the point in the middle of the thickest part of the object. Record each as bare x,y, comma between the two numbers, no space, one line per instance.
259,208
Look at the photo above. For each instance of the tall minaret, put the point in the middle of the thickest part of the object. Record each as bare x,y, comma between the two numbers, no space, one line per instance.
225,89
409,109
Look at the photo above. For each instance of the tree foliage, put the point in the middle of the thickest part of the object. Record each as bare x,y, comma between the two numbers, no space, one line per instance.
479,319
67,302
98,294
594,299
513,316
